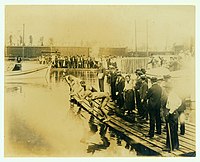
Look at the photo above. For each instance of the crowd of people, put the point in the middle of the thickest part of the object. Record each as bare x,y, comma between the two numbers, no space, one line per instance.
149,98
154,99
77,61
171,62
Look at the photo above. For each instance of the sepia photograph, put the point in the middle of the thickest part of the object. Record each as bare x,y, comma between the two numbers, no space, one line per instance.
99,80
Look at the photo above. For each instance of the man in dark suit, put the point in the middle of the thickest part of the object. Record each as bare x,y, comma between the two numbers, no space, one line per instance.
120,84
138,84
143,96
154,104
113,78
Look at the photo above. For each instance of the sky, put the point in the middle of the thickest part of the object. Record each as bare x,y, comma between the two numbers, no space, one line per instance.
102,25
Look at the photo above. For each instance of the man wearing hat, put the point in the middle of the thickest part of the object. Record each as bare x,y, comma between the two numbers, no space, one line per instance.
143,70
129,98
101,76
119,85
144,73
143,96
166,80
154,104
138,84
173,103
113,78
136,71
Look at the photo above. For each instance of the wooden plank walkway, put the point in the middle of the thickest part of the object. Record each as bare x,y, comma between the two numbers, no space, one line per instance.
137,130
76,69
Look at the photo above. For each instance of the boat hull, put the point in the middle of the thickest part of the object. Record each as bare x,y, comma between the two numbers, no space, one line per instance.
31,74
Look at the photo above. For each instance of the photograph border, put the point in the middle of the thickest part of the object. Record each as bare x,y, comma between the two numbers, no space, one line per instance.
104,2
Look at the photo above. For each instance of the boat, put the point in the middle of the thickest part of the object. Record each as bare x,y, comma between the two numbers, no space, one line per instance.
30,72
22,70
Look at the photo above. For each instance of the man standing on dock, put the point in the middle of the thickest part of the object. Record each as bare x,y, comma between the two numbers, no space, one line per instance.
120,84
138,84
154,104
143,96
101,77
129,101
113,78
173,103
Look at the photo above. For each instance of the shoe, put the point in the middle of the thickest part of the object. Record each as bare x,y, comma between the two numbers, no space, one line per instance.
166,149
176,148
158,133
150,136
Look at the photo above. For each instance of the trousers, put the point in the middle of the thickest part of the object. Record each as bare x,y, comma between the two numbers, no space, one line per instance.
155,119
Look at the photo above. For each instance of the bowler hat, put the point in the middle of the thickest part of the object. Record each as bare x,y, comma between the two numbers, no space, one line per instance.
119,73
136,71
143,70
143,77
139,73
154,79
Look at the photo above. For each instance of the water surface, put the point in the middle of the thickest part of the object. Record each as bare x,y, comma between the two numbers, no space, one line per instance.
40,122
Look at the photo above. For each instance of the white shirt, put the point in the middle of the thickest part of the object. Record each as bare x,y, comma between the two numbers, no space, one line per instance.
128,85
173,102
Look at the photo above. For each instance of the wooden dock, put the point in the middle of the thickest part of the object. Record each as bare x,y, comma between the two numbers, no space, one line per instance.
75,69
137,130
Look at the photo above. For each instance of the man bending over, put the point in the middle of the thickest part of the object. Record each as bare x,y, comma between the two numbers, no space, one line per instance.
82,91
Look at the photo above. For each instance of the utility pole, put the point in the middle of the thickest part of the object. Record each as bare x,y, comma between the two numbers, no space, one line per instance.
147,31
135,38
23,42
132,37
167,35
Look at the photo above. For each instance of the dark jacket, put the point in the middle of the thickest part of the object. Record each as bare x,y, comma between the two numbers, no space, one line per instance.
138,83
113,77
120,85
154,97
143,90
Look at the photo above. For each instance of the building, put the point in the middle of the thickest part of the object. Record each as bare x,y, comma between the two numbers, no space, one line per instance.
35,51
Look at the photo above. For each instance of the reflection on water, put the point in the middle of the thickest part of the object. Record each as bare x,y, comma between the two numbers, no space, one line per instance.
89,76
40,122
14,89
